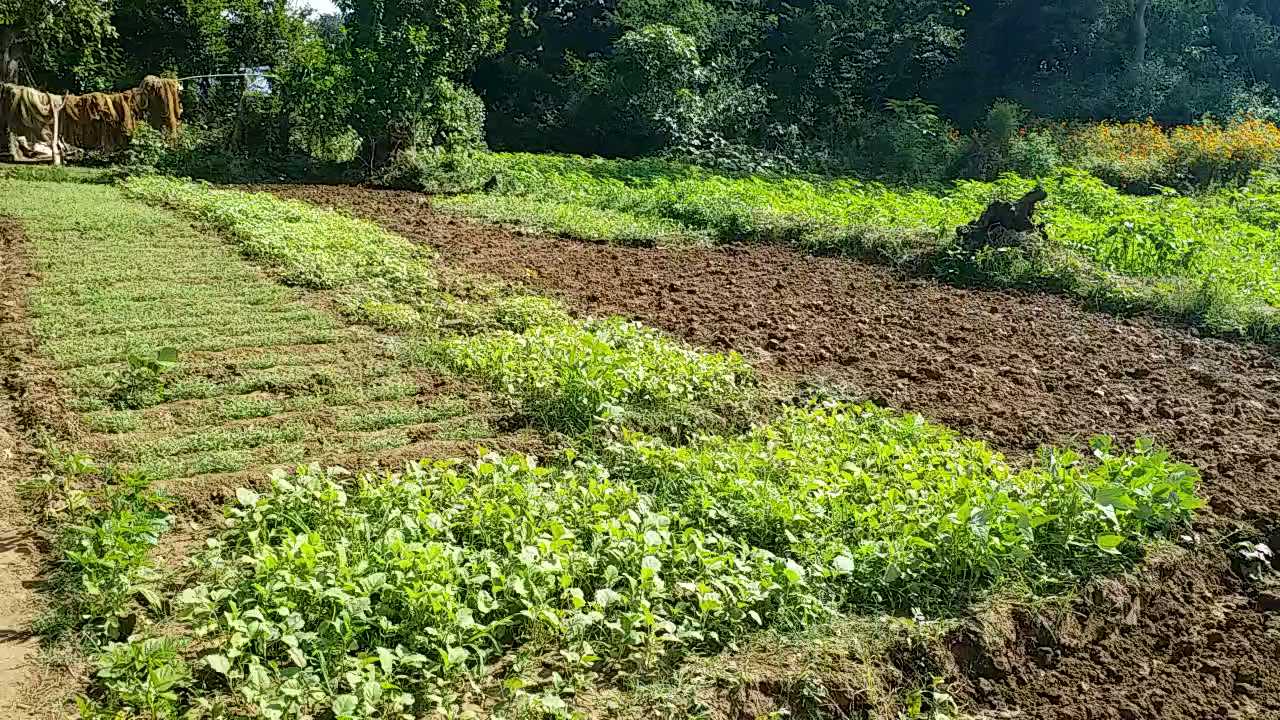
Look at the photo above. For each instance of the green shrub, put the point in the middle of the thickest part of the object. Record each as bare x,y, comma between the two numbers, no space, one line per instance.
453,119
142,383
141,678
426,578
104,538
335,146
910,142
1034,154
571,378
893,510
437,171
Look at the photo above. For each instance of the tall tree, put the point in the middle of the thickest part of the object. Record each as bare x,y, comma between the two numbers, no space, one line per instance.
1139,35
57,43
396,48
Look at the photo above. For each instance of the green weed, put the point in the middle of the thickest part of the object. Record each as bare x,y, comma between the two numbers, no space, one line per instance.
102,548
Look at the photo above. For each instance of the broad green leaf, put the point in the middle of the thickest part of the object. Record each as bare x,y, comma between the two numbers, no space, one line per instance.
219,663
345,706
1109,543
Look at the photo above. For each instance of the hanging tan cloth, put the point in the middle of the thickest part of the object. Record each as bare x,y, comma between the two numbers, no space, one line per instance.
97,121
27,121
160,100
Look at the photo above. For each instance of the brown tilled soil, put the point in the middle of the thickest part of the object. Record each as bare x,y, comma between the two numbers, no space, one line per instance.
20,564
1020,370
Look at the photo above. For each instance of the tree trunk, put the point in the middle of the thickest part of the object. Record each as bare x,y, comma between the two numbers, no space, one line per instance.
1139,36
8,56
1222,30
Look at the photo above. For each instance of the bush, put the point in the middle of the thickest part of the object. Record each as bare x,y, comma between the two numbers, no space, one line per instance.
1144,154
1209,153
1034,154
1124,154
909,143
1004,120
895,511
647,96
436,170
453,119
332,146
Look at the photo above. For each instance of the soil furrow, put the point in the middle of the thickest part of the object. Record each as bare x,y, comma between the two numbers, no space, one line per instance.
19,549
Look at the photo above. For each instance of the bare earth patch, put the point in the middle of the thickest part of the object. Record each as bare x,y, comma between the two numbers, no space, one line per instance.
20,556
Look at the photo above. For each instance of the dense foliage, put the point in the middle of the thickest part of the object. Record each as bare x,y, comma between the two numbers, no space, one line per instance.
835,86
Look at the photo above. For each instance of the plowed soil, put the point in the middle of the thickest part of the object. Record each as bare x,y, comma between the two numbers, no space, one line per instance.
1017,369
20,563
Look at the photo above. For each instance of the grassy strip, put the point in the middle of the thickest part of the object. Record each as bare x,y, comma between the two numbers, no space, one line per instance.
1212,260
574,220
567,375
312,248
121,281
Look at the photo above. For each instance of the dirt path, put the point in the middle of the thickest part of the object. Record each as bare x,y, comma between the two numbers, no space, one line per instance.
19,553
1017,369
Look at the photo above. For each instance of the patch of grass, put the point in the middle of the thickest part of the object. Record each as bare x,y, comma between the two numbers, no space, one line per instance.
245,408
49,173
214,440
573,220
311,247
188,360
112,421
399,416
572,377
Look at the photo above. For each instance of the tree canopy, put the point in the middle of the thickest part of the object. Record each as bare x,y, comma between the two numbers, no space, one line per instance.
630,77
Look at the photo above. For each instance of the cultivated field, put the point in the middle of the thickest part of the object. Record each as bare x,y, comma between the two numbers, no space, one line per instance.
1211,259
584,480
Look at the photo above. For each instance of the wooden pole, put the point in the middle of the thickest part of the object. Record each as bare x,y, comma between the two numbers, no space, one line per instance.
57,109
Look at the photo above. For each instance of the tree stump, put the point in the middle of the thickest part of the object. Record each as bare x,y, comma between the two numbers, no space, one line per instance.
1004,224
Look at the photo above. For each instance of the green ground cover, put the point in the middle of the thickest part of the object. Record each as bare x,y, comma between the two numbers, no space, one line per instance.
499,586
261,376
1211,258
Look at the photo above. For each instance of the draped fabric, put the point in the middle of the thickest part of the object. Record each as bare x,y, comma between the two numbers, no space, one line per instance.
26,119
97,121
